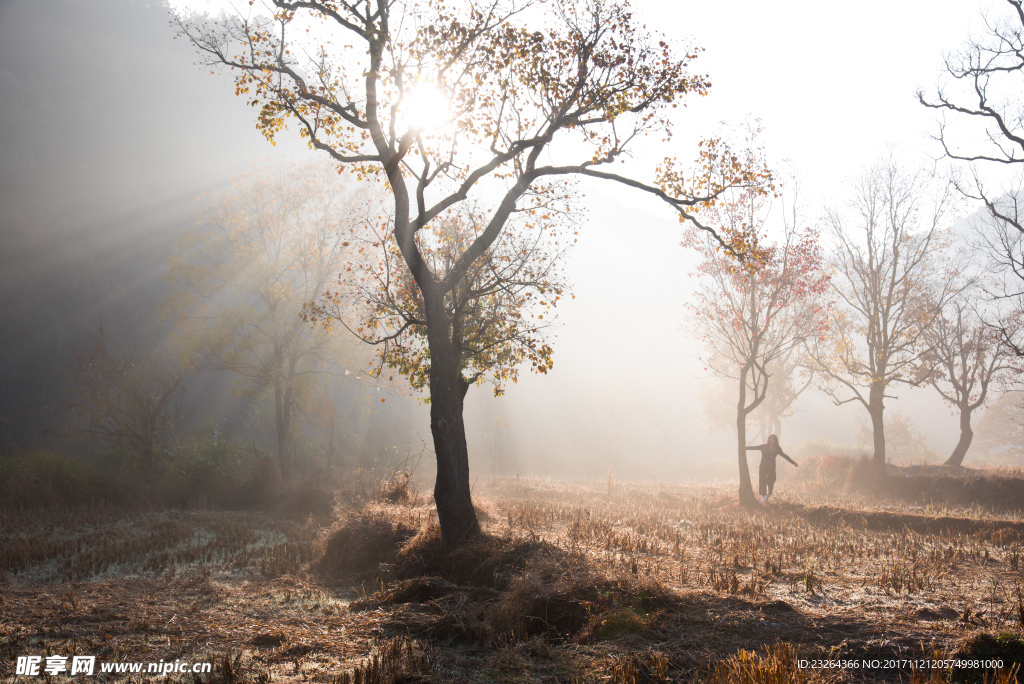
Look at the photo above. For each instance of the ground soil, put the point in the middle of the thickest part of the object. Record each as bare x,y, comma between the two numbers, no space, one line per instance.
571,583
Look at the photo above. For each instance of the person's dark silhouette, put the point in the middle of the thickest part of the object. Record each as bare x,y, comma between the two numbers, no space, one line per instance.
766,473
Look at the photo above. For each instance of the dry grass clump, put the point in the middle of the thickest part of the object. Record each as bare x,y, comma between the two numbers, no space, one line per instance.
413,590
634,668
392,661
494,561
777,665
541,601
937,676
492,587
407,545
1007,647
421,554
397,488
619,622
234,668
362,546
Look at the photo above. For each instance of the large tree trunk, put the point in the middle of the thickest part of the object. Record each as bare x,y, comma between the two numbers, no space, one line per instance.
746,492
876,409
966,437
451,489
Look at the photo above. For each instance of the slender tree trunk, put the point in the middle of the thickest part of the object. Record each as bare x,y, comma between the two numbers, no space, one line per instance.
148,456
282,423
147,446
746,492
330,442
876,409
451,489
966,437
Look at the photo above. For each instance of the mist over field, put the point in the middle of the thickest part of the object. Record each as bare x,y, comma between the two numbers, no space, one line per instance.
112,134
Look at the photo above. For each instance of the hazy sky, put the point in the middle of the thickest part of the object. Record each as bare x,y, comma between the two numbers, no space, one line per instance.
834,86
102,91
833,83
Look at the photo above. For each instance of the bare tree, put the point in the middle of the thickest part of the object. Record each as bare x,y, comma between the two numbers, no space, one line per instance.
982,127
968,356
892,282
751,317
127,400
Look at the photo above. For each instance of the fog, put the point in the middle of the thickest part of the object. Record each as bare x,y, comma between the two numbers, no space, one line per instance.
110,134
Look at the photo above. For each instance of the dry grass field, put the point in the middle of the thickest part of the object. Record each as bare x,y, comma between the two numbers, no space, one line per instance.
572,583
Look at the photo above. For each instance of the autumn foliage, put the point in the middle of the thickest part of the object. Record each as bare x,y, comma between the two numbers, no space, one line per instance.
501,311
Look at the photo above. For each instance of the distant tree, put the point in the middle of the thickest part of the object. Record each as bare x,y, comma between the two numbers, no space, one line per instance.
752,316
967,357
126,399
453,101
904,440
893,280
242,277
982,126
1000,431
321,407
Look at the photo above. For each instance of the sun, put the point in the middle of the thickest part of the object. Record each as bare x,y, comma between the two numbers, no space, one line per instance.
426,108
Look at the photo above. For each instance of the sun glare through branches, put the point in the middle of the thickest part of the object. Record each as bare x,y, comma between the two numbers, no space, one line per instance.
426,108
